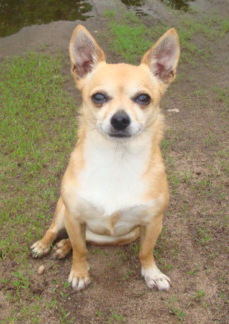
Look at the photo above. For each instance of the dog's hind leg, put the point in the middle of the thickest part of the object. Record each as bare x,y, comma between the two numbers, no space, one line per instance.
42,246
63,248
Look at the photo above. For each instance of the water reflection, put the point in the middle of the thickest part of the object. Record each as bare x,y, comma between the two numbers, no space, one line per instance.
15,14
137,3
178,4
175,4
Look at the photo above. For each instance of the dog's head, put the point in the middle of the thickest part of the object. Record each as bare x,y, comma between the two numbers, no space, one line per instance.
122,100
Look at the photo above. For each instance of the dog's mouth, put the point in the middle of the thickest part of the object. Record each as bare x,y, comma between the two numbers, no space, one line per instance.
110,132
120,135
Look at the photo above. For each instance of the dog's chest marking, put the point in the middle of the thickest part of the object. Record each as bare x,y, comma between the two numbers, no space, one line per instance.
111,189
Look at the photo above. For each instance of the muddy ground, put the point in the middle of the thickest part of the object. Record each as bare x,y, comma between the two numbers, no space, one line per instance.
193,248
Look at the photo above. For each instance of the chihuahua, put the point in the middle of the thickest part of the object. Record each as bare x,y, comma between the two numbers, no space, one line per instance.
115,188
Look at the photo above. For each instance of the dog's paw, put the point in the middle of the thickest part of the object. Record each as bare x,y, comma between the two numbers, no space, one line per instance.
63,248
78,282
155,278
38,249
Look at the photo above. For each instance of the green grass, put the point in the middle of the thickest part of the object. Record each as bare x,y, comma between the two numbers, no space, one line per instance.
127,275
115,317
173,303
38,130
37,133
131,39
199,294
224,26
126,40
189,29
178,312
36,136
112,317
203,236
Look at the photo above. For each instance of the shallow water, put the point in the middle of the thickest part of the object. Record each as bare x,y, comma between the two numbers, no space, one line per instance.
178,4
15,14
174,4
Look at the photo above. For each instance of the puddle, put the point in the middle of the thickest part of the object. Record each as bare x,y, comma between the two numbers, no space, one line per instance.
174,4
135,5
178,4
15,14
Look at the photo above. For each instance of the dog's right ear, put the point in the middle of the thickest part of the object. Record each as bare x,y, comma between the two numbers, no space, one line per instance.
85,53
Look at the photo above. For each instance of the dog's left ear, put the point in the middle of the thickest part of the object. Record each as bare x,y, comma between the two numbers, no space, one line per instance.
84,51
162,58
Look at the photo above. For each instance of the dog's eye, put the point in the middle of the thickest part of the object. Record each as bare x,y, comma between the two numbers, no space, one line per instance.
142,99
99,98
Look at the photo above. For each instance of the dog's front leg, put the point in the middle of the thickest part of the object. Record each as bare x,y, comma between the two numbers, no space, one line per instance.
149,235
79,275
42,246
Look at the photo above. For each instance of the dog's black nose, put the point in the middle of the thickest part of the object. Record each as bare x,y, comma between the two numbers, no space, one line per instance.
120,120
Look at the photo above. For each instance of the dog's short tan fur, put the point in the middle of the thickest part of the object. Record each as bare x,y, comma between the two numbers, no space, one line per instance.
115,187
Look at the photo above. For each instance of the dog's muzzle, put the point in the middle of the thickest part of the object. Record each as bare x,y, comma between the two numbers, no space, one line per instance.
119,124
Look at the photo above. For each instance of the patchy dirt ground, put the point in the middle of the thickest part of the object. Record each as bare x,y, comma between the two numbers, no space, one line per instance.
193,247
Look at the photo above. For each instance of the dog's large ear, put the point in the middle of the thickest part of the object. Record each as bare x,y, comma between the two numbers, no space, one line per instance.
163,57
85,53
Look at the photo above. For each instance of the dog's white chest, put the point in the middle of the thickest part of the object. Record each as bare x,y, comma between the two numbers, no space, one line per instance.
112,179
111,188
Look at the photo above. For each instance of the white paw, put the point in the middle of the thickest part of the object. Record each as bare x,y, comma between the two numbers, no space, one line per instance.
78,282
155,278
39,249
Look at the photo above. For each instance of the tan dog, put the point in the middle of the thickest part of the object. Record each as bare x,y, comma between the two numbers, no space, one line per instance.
115,187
